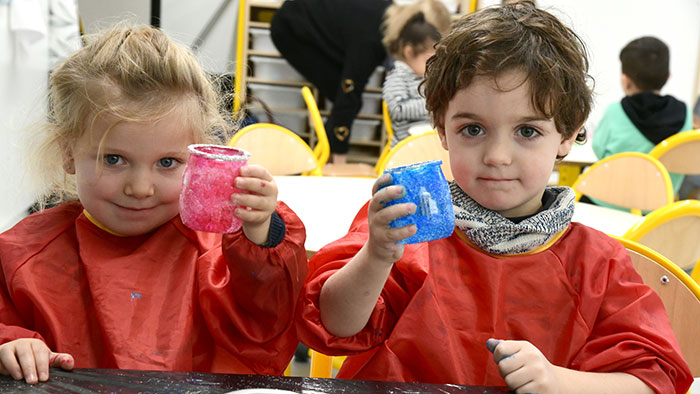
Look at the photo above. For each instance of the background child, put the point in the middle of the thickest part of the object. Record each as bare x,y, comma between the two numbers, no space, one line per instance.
337,45
410,49
114,279
643,118
559,304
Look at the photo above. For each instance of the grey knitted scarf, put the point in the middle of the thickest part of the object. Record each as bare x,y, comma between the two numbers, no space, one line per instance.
497,235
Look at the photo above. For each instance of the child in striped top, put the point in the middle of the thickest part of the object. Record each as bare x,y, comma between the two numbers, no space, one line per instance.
411,48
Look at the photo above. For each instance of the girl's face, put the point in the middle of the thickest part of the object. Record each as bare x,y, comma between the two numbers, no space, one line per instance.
502,151
132,184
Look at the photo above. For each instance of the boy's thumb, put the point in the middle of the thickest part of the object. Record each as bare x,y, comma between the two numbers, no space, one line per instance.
491,344
61,360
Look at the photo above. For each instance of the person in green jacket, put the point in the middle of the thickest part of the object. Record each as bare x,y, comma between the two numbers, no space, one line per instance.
644,117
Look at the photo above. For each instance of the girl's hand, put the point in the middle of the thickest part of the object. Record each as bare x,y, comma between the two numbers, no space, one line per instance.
258,204
381,245
524,368
30,358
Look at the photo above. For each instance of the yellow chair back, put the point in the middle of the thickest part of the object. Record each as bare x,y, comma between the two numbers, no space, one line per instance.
679,293
631,179
418,148
276,148
679,152
672,230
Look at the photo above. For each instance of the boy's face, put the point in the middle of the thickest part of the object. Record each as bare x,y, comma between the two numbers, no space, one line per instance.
132,185
502,151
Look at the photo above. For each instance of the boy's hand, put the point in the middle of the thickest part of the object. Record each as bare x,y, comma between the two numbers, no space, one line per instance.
30,358
524,368
381,244
258,205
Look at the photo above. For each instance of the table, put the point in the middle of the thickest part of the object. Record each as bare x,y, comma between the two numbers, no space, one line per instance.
89,381
608,220
570,166
326,205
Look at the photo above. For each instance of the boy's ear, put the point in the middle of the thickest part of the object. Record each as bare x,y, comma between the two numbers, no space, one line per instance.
443,137
566,144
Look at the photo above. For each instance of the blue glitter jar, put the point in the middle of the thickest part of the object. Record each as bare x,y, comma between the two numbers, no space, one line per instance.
426,187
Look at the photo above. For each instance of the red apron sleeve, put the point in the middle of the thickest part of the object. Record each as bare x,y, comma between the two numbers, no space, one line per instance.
631,332
325,263
248,295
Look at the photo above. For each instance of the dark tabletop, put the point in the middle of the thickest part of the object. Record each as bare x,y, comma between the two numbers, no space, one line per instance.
89,381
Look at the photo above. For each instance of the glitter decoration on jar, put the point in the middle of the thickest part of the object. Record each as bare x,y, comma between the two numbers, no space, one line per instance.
207,185
426,187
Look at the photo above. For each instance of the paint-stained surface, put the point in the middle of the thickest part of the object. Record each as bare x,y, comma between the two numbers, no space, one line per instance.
89,381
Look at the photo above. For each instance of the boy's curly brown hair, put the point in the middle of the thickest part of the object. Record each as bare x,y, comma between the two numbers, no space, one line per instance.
519,37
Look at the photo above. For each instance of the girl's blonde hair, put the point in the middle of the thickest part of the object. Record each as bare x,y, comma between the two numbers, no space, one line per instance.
129,73
396,18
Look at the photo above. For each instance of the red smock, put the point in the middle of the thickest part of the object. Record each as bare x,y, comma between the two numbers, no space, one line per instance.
174,299
579,301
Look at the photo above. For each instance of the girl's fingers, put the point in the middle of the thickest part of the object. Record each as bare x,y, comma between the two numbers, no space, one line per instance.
251,216
10,366
257,186
27,362
41,359
61,360
255,171
255,203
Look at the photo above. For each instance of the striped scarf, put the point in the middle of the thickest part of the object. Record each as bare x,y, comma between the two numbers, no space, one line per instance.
495,234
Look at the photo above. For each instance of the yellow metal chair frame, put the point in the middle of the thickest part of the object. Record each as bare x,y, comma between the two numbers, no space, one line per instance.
679,293
672,230
679,152
630,179
386,117
417,148
322,150
277,148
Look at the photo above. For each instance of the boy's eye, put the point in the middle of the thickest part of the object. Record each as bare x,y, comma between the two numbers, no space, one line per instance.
473,130
528,132
112,159
167,162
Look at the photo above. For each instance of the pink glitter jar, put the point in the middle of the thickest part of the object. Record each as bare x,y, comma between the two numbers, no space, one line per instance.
207,186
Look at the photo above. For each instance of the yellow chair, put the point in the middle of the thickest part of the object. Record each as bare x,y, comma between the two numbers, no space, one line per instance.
417,148
679,152
631,180
389,135
276,148
321,365
322,150
679,293
672,230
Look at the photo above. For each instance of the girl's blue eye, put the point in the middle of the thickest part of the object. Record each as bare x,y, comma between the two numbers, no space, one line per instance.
528,132
167,162
112,159
473,130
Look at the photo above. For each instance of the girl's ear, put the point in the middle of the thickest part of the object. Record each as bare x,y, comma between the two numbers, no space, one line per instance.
68,161
408,52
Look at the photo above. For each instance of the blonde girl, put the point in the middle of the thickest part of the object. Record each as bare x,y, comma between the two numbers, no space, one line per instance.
111,278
